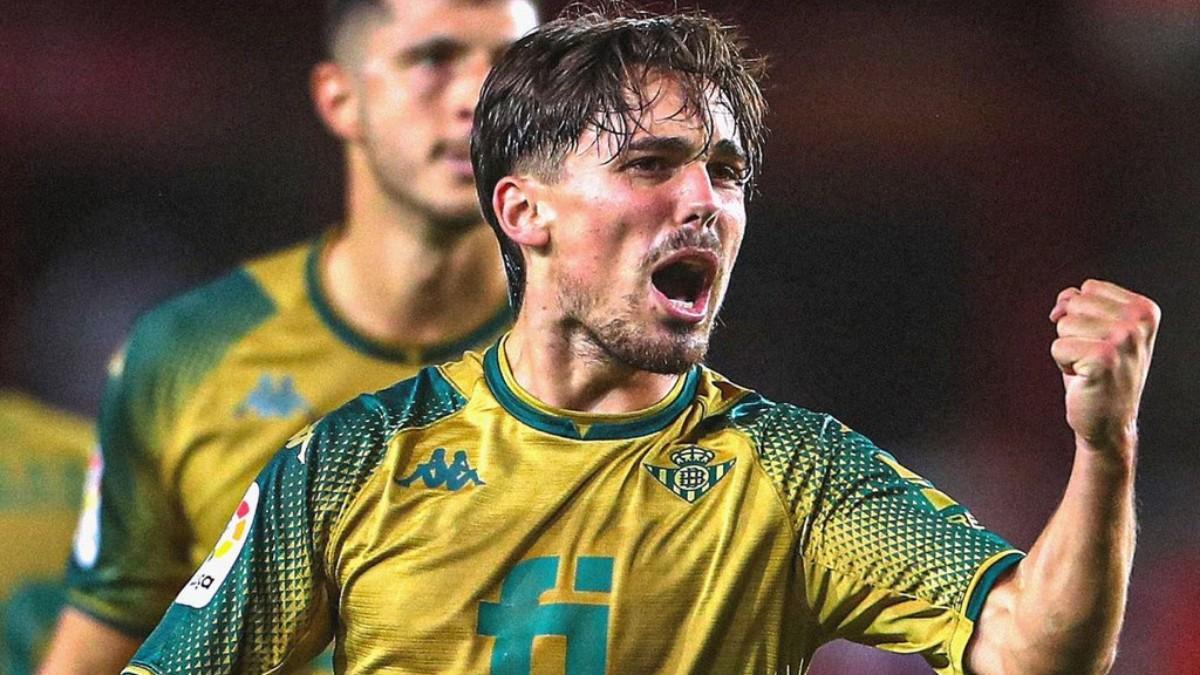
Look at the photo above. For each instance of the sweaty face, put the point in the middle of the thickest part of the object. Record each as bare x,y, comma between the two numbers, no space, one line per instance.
419,68
642,242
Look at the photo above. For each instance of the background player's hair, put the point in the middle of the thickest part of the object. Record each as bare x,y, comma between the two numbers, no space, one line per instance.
586,70
341,14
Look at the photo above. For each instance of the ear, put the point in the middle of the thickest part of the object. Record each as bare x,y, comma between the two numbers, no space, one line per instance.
522,216
335,99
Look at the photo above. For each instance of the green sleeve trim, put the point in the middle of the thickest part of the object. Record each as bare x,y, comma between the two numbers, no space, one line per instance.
988,580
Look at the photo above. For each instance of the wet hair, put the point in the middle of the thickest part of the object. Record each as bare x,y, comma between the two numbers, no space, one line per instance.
589,69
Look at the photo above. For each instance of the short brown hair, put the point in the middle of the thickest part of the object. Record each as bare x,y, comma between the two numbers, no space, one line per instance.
586,71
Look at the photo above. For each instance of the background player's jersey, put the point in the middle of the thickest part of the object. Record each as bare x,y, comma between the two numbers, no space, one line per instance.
206,389
43,452
453,524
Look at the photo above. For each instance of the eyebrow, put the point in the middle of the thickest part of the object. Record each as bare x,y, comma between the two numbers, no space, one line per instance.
676,145
433,45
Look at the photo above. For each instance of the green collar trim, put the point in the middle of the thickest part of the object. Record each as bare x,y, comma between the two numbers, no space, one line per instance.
628,426
487,332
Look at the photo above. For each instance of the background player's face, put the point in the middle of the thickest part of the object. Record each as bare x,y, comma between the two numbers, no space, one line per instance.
418,72
642,244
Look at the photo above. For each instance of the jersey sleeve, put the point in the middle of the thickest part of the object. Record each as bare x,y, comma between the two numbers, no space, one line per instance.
132,543
887,559
129,556
263,599
260,601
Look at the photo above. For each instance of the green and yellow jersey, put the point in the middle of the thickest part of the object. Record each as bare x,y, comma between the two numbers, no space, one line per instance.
453,524
43,452
206,389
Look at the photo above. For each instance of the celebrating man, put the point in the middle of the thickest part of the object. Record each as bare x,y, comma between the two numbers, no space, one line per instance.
631,511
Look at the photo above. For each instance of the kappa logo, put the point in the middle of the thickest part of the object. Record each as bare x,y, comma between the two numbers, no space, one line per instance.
273,398
437,473
203,585
693,476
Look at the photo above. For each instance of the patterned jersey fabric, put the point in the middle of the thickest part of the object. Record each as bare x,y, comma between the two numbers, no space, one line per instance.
454,524
207,388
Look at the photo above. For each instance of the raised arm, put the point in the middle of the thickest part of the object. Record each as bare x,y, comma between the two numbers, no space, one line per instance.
1060,610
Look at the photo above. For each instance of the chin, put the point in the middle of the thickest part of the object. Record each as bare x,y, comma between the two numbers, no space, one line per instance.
666,351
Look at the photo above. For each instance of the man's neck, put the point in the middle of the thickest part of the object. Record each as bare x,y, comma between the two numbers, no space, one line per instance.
563,368
395,284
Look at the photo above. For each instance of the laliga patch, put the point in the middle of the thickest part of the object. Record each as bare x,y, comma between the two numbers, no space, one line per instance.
203,585
87,532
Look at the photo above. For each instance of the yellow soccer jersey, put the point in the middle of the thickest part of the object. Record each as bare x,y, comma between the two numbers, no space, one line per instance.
453,524
207,388
43,452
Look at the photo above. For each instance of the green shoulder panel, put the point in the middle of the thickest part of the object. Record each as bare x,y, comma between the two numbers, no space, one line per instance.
259,601
174,346
126,564
858,511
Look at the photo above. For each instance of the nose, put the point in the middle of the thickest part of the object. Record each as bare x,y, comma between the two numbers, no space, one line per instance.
463,93
698,200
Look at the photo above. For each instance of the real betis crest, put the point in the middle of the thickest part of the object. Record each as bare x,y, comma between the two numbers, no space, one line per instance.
693,477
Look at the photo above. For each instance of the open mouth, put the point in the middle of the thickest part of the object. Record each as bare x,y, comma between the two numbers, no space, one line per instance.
683,281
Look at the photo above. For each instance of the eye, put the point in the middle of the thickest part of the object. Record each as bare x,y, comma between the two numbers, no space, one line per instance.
433,55
728,172
650,164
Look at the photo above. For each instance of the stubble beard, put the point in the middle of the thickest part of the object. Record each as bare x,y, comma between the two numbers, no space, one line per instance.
398,184
623,340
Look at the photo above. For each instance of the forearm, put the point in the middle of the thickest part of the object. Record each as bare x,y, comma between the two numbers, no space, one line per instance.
1061,611
83,645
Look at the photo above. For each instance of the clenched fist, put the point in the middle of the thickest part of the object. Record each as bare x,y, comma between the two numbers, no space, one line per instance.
1105,340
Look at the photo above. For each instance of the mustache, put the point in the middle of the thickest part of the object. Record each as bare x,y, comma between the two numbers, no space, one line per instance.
704,238
451,148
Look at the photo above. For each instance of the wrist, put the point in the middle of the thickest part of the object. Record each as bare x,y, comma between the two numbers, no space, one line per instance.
1116,453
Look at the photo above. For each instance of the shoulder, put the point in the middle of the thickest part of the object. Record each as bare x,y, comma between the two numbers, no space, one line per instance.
189,333
338,453
355,436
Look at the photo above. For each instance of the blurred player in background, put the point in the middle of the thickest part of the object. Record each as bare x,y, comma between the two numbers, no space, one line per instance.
43,455
586,497
209,384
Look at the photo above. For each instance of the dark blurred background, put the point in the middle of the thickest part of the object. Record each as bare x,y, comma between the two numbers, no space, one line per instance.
937,172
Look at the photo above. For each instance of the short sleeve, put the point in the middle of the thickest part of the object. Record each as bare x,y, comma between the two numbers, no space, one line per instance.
890,561
259,602
128,558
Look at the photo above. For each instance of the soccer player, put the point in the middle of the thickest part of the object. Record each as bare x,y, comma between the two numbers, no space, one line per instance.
43,455
612,505
210,384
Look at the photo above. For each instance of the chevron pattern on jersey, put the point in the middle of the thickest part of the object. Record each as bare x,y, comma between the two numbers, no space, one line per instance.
855,514
345,449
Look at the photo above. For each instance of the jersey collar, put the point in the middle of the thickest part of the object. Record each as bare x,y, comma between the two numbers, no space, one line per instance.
447,351
583,426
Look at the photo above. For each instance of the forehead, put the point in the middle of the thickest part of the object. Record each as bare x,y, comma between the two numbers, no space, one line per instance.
660,107
488,23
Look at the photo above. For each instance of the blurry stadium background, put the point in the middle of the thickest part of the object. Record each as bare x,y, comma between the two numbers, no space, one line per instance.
937,172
